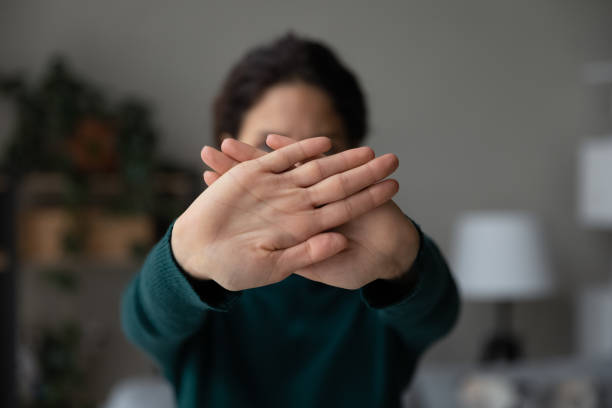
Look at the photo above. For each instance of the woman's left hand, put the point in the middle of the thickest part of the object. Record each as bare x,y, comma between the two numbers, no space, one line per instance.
382,243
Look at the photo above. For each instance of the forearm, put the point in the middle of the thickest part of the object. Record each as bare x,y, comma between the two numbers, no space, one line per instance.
160,308
423,304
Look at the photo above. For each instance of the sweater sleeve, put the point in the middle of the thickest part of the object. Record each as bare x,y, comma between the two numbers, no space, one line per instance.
161,308
424,309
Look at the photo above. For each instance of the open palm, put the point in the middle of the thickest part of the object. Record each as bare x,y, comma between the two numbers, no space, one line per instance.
381,243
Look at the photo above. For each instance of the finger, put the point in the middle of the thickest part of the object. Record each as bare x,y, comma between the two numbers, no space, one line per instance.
343,185
240,151
317,170
342,211
210,177
216,160
276,141
286,157
315,249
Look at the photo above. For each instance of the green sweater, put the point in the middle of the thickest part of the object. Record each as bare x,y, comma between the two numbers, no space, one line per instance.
296,343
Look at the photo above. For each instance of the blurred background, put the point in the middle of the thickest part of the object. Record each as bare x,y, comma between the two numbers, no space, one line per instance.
491,106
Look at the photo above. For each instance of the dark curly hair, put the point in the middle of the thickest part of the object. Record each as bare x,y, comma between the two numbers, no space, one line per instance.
290,58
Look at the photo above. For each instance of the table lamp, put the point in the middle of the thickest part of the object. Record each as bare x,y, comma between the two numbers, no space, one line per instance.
501,257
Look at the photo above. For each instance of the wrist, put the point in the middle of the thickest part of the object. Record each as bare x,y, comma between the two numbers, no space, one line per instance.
405,252
180,248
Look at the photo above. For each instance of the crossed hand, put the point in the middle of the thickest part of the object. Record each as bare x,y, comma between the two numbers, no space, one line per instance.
268,215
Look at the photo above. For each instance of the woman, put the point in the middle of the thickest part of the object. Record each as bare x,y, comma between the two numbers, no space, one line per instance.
293,280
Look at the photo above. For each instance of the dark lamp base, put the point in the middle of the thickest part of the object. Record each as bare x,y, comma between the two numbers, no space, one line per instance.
502,347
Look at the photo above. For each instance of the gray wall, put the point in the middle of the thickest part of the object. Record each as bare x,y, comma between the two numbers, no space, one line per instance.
482,101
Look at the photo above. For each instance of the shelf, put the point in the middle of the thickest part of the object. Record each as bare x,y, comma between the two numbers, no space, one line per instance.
42,184
82,264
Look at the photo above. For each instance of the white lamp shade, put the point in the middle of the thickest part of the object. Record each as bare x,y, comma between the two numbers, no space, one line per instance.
595,183
501,256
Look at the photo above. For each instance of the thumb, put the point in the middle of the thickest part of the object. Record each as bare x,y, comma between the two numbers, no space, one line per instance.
315,249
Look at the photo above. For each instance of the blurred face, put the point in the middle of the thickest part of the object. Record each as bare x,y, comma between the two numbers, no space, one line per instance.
295,110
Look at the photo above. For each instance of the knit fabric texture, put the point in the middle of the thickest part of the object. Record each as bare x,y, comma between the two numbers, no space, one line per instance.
296,343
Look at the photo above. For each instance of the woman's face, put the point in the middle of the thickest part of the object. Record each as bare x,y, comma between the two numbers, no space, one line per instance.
296,110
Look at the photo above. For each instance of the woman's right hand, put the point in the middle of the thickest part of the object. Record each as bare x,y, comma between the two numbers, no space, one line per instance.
266,218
